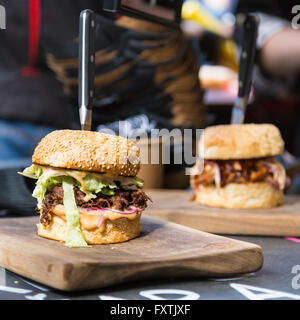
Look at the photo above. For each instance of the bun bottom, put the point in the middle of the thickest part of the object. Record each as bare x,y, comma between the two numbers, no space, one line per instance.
114,231
239,196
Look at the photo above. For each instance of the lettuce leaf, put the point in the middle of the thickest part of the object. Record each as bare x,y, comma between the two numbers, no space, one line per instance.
39,192
130,183
95,185
107,191
139,182
49,177
34,172
74,235
43,184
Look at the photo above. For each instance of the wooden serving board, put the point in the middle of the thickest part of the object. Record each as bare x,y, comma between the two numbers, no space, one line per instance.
163,250
175,206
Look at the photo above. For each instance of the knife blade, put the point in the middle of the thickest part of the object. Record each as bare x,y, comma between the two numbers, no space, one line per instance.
250,27
86,68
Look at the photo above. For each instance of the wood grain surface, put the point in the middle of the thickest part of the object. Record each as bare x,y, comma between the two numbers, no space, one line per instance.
163,250
175,206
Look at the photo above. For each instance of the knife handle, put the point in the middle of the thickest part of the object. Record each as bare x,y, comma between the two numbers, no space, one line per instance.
86,58
248,54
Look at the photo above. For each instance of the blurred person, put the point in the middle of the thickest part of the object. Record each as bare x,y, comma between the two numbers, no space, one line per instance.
145,74
278,46
278,36
32,99
142,68
277,78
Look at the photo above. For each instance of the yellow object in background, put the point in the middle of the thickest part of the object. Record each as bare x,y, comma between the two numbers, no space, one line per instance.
193,10
229,54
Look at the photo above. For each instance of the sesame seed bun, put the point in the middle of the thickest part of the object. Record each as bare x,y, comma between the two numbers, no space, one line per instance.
88,151
245,141
113,231
239,196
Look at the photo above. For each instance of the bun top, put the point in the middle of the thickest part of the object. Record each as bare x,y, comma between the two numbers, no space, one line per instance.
88,151
244,141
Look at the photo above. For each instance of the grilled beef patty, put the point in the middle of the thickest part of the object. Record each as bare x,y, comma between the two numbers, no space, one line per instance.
223,172
120,201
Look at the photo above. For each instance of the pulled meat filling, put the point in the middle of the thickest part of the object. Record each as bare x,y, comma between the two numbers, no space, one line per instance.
120,201
222,172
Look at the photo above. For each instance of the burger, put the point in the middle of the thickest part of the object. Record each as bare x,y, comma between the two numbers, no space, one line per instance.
237,168
87,190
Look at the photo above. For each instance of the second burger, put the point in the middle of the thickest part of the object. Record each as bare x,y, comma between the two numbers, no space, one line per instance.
237,168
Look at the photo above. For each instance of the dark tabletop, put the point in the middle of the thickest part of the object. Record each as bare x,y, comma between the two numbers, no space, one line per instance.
278,279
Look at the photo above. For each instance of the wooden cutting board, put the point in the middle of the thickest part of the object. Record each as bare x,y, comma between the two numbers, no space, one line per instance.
175,206
163,250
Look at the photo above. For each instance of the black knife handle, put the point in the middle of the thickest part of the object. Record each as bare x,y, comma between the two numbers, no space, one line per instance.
86,58
248,54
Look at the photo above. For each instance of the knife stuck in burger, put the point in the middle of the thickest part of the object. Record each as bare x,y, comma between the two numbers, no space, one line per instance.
87,189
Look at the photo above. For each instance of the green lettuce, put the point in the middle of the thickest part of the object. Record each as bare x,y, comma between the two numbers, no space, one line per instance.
139,182
95,185
130,183
43,184
104,183
34,172
74,235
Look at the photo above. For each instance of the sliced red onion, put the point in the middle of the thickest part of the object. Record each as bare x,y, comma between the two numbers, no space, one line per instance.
137,209
279,180
133,210
101,220
217,175
228,168
200,164
267,166
273,183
